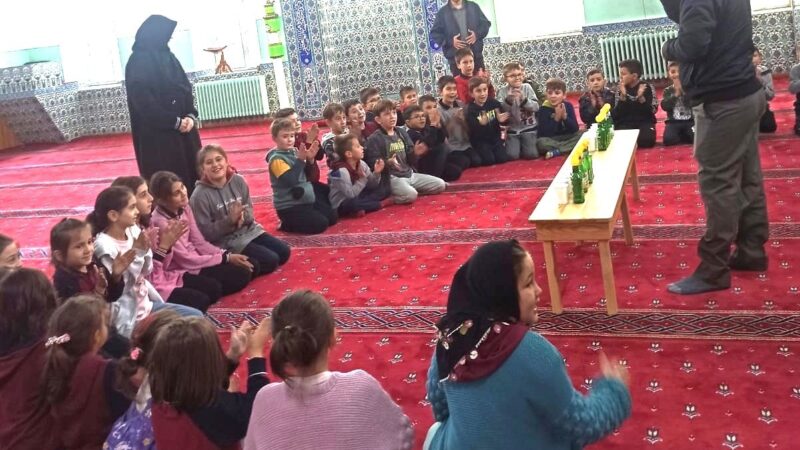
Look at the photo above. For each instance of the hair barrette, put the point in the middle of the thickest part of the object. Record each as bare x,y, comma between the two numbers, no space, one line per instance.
136,352
57,340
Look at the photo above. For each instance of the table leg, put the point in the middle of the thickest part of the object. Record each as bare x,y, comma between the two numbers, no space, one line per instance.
608,277
552,277
626,220
634,179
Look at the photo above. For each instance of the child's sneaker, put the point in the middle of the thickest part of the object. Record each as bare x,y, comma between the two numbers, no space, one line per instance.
552,153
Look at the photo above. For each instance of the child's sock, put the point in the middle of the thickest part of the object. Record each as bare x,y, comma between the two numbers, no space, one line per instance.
552,153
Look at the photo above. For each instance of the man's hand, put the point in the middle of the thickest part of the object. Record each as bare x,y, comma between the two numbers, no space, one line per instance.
458,43
471,38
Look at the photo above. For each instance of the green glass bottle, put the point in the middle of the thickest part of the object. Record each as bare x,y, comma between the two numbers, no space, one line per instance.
589,167
603,135
577,185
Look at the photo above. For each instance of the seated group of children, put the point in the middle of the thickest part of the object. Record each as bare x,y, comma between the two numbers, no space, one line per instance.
379,152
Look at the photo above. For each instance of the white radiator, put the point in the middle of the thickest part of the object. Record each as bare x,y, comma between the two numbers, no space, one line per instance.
646,47
232,98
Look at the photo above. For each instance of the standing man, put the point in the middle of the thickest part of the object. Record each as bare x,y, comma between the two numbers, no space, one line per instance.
459,24
714,48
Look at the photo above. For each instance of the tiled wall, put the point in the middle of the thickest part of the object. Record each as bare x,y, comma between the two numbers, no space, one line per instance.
337,47
40,108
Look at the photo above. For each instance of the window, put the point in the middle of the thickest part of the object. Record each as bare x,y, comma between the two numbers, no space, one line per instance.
515,22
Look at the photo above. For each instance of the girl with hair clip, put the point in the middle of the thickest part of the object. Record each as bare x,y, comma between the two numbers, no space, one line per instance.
191,407
223,272
9,253
224,212
134,430
351,410
117,236
494,383
72,254
77,383
27,300
183,289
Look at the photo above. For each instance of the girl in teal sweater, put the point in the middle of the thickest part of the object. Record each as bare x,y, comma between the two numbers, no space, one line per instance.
493,383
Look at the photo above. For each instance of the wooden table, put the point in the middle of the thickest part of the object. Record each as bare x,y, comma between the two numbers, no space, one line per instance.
593,220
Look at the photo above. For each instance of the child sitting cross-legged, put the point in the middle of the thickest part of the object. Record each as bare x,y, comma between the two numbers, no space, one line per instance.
336,119
355,190
299,207
558,126
484,115
193,405
595,98
350,410
393,145
635,104
680,121
420,129
224,212
520,101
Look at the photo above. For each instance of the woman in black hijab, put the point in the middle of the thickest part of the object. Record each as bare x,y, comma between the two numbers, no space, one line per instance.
494,383
163,116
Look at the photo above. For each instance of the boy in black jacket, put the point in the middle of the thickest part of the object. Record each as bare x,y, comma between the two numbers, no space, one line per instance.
433,135
635,109
680,121
484,116
593,100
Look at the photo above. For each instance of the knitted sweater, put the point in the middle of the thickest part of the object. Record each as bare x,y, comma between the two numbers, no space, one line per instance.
137,297
210,207
331,411
528,402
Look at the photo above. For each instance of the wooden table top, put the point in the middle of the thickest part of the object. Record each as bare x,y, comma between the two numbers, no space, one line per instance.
610,174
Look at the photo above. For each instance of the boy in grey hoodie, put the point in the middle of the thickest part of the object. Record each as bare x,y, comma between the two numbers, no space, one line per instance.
519,100
223,211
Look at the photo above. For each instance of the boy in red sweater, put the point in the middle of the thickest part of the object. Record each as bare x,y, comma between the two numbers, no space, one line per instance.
466,64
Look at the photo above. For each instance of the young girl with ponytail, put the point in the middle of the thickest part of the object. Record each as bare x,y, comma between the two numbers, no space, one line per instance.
77,383
349,411
119,241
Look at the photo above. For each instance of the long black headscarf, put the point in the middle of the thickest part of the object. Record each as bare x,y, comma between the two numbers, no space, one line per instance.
673,9
152,62
483,302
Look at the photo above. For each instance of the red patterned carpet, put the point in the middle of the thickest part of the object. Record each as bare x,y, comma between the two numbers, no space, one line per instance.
708,371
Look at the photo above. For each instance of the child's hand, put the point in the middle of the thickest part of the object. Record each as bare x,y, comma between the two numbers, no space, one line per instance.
121,263
239,339
561,112
420,148
640,93
240,260
471,37
614,371
233,384
393,162
503,117
102,284
313,133
435,118
259,338
379,165
142,242
236,213
623,91
169,235
311,152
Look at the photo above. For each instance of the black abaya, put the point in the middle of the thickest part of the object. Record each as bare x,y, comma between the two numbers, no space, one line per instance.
159,96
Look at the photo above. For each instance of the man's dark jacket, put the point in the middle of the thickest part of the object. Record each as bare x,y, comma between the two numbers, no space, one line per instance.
445,27
714,48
